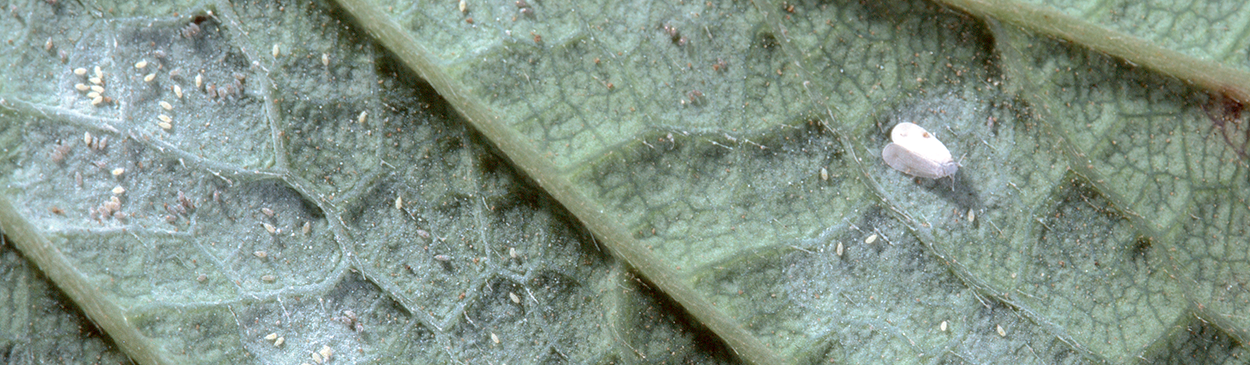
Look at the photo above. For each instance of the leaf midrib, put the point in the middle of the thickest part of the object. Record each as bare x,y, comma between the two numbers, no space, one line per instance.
1042,21
1207,74
544,172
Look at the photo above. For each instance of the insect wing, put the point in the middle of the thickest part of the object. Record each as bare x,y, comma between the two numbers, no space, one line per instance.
917,152
909,162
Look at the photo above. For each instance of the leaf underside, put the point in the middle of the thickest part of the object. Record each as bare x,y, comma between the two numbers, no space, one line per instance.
312,185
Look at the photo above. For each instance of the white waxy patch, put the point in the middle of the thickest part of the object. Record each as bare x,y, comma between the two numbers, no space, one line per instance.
325,60
96,80
307,227
515,299
268,278
98,72
493,337
164,125
97,88
97,100
141,64
93,94
871,239
512,252
199,80
119,190
399,202
82,87
972,216
270,228
279,341
464,7
824,174
839,249
86,138
80,71
1001,332
165,118
943,326
261,254
149,77
272,336
362,117
917,152
178,91
277,51
166,105
118,171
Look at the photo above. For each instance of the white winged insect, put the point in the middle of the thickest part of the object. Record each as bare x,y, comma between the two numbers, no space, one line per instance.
917,152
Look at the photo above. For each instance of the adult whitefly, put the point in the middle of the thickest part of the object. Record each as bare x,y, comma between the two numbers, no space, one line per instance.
915,151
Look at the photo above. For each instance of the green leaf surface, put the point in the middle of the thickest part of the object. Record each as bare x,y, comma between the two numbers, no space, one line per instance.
622,182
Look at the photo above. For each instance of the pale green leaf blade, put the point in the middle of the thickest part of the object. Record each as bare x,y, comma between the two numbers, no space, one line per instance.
272,205
1098,215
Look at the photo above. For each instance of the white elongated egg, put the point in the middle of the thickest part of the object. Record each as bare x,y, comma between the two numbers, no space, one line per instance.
917,152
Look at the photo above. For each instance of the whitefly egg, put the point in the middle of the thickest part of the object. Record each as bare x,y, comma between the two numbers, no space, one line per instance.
916,152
